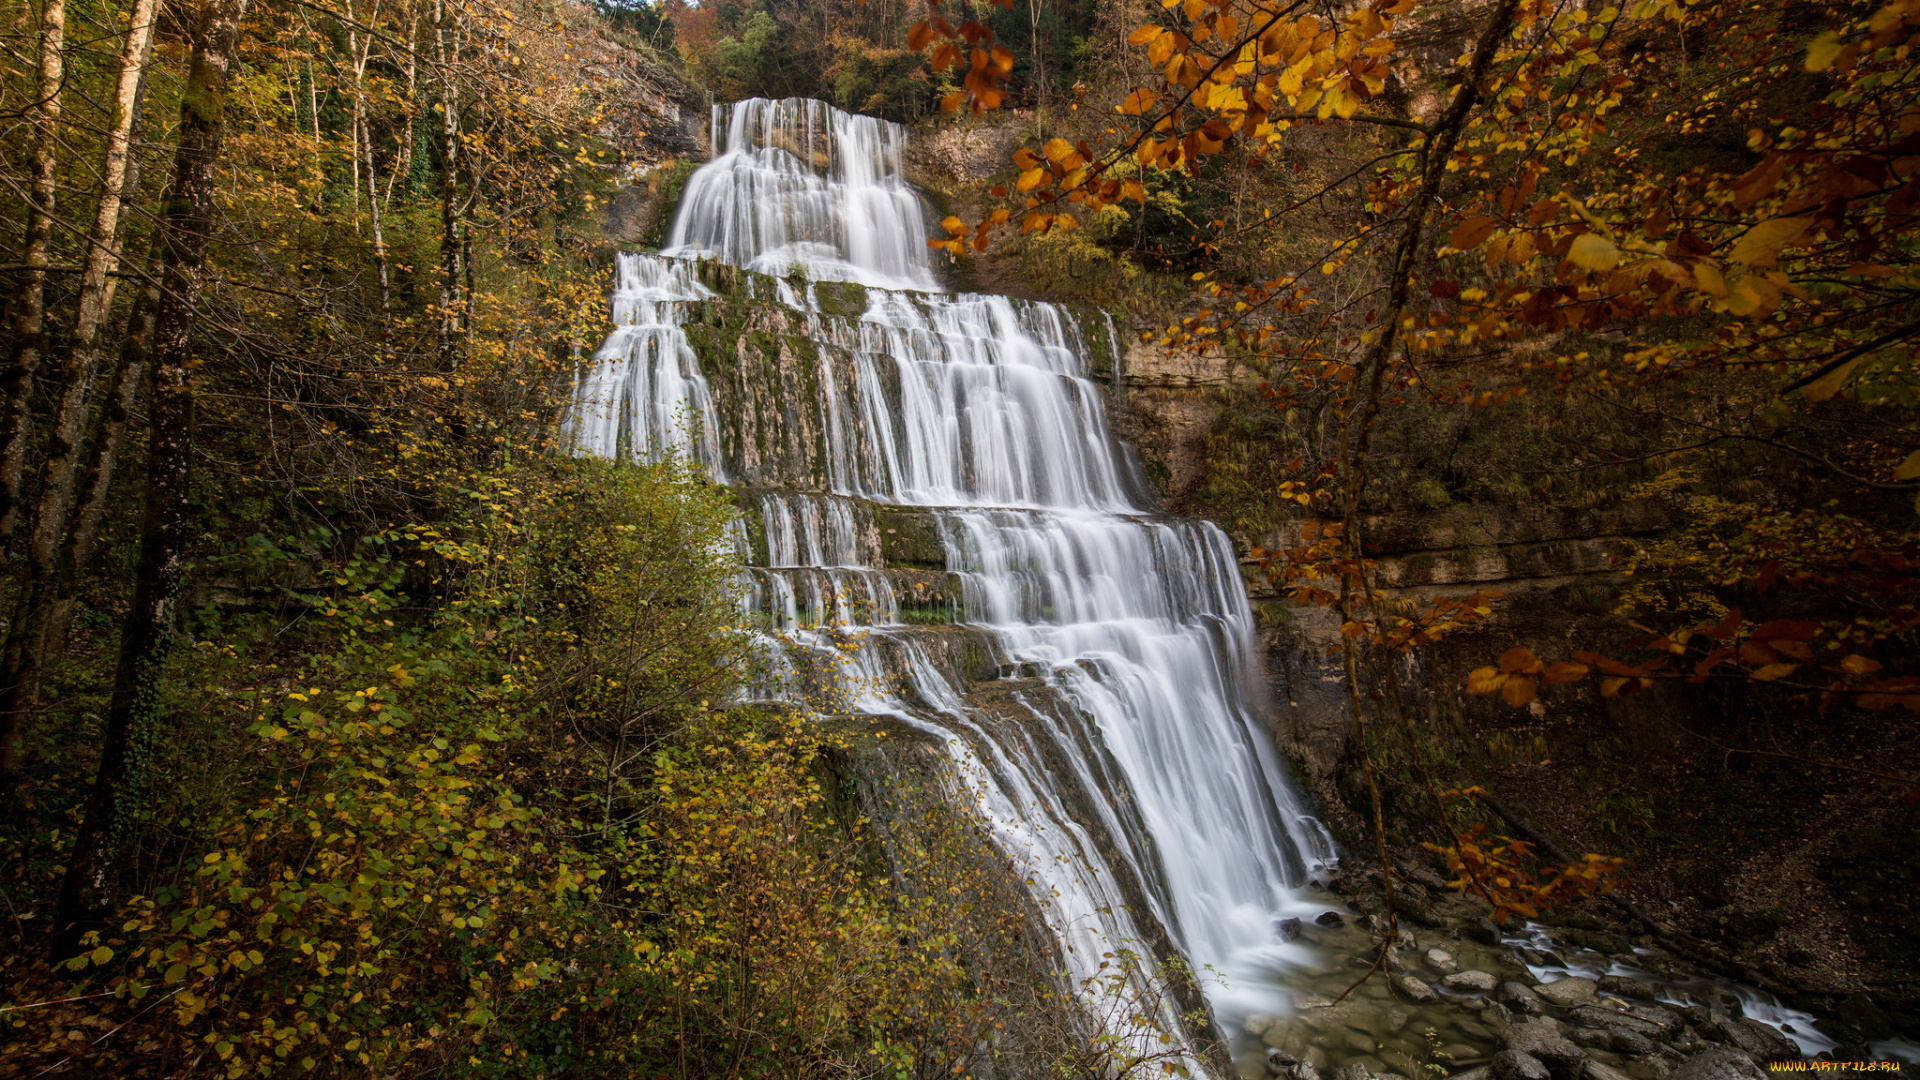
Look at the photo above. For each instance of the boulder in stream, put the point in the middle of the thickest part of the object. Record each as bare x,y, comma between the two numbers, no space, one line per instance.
1542,1040
1470,981
1519,997
1482,930
1286,929
1441,960
1621,986
1567,992
1329,918
1724,1063
1414,989
1758,1041
1631,1043
1519,1065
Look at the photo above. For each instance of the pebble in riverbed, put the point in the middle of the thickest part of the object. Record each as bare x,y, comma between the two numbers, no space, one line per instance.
1567,992
1475,981
1413,989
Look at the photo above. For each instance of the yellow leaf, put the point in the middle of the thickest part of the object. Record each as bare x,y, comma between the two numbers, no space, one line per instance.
1761,245
1030,179
1346,102
1057,150
1137,102
1145,35
1909,468
1829,384
1823,51
1774,671
1484,680
1707,277
1591,251
954,225
1519,691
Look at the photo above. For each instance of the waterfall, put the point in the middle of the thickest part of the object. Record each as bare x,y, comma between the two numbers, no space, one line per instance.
1124,752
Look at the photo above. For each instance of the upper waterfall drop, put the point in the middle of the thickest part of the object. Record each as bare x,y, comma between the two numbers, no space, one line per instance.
800,184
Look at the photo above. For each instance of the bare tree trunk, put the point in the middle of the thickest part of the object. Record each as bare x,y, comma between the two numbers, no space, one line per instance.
132,715
1039,73
103,445
364,140
403,173
446,53
30,314
20,661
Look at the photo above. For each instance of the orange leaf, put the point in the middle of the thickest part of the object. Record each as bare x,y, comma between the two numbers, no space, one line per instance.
1564,672
1519,659
1519,690
1726,628
1471,233
1855,664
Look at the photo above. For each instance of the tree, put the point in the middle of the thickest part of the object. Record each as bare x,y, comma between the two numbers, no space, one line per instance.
145,638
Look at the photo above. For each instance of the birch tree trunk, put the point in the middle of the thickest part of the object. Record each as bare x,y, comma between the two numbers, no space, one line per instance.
30,314
26,631
145,637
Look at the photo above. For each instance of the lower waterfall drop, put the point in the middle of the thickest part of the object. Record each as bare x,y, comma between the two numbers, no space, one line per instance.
1126,766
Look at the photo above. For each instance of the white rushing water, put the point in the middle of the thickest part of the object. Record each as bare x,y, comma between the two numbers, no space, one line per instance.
1135,756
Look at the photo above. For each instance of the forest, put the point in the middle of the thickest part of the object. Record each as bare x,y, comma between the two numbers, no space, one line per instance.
1543,374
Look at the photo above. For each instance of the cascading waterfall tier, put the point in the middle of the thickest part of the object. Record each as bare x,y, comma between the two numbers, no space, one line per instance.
1126,766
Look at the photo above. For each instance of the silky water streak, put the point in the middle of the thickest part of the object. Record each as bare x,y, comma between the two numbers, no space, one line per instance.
1127,756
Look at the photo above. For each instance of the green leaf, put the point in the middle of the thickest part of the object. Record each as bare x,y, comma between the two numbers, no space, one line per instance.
101,955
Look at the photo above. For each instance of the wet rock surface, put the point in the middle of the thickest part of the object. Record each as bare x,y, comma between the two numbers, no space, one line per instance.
1462,999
